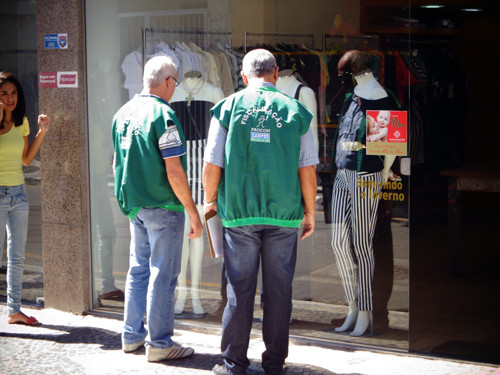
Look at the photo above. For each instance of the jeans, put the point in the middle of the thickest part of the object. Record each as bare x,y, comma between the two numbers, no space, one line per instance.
155,260
244,247
14,210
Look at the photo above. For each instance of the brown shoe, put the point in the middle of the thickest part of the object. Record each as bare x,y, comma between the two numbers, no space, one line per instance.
115,295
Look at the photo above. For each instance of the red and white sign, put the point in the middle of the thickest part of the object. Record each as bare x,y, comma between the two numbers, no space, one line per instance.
58,79
386,132
67,79
47,79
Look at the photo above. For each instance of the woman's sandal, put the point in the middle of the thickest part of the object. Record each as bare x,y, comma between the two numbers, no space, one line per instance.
30,321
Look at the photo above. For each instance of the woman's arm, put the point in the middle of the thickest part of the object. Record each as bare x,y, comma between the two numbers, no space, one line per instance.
30,151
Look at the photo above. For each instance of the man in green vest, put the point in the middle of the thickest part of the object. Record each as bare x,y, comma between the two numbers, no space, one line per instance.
152,190
259,176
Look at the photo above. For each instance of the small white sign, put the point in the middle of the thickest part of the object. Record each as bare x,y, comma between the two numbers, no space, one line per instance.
67,79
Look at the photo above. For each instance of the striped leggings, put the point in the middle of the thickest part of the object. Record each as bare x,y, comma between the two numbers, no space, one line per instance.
354,216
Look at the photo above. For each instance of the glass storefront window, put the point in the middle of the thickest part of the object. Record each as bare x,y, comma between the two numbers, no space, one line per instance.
433,280
223,31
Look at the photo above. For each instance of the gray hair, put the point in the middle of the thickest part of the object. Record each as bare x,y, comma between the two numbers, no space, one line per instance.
258,63
158,69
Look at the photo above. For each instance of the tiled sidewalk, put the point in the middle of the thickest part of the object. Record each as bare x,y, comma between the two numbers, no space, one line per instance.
71,344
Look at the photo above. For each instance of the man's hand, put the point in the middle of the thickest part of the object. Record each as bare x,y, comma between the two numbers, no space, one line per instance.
211,178
178,180
196,226
210,207
308,225
308,186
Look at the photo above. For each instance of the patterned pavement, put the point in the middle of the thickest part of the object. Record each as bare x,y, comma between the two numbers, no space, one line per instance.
90,345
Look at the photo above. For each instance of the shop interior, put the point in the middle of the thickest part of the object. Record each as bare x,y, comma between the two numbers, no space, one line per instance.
435,253
428,58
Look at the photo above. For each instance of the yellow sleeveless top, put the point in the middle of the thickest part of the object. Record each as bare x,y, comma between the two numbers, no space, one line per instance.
11,155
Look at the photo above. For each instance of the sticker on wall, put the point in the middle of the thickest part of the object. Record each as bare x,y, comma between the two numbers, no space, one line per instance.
67,79
47,79
386,133
58,79
56,41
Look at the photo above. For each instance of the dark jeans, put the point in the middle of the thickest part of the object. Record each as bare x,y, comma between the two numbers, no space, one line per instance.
244,248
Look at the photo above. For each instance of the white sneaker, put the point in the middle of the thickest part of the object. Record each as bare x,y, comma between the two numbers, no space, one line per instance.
174,352
129,348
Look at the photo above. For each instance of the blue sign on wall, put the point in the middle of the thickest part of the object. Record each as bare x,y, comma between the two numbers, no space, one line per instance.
56,41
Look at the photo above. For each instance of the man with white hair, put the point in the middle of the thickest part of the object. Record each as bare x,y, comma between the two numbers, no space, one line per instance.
152,190
259,176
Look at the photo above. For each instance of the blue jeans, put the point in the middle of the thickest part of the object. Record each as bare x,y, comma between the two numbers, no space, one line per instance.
14,210
244,247
155,261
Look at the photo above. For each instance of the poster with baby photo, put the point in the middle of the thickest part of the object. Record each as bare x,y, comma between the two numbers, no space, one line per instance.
386,132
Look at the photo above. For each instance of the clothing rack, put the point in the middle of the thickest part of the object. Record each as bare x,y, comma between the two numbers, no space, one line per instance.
204,39
345,43
261,38
211,42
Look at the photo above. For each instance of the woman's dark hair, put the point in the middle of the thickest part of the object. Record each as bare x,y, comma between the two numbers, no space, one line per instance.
20,110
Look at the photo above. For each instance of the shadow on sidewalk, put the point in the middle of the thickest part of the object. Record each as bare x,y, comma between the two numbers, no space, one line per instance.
111,340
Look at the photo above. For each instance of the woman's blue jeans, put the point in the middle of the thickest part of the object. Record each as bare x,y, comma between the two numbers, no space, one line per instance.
155,263
14,210
244,248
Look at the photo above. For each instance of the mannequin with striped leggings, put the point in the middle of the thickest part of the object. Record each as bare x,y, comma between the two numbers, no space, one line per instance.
356,189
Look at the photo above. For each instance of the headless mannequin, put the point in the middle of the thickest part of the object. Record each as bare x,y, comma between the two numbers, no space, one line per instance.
193,88
287,83
367,88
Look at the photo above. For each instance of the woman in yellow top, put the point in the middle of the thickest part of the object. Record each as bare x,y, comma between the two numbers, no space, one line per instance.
15,151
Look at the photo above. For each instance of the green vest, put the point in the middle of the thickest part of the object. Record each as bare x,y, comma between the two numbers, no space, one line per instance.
260,183
140,174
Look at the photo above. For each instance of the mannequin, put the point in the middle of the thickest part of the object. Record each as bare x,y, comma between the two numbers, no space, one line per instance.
354,210
195,88
368,88
103,223
192,101
288,84
132,69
